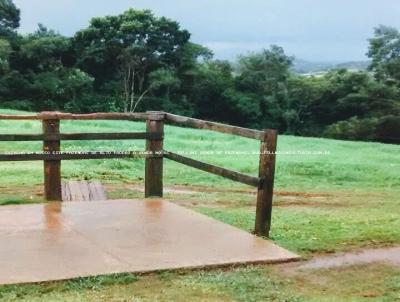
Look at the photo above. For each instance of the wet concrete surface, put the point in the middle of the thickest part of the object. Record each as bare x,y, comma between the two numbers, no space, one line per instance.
67,240
389,256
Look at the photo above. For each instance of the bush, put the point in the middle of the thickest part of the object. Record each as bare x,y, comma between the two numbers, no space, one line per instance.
24,105
353,129
388,129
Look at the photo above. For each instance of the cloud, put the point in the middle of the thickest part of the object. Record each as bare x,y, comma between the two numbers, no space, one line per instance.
309,29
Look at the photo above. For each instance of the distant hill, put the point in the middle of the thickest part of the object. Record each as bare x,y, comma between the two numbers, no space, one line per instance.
354,65
309,67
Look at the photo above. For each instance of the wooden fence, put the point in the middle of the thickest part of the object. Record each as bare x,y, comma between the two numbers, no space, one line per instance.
154,153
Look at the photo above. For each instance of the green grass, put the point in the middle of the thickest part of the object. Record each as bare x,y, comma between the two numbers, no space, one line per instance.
377,283
12,201
322,229
349,165
344,200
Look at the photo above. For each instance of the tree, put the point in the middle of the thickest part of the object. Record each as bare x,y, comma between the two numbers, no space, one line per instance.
43,50
130,47
163,81
343,95
212,79
356,106
42,75
384,50
9,17
303,93
5,51
133,68
264,77
388,129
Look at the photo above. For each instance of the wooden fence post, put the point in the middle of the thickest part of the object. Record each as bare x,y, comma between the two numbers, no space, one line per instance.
266,187
52,168
154,165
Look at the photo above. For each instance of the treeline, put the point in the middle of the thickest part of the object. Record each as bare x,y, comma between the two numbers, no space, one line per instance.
136,62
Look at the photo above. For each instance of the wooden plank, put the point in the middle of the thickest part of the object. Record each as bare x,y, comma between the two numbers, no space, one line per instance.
96,191
83,191
201,124
80,136
75,190
93,191
19,117
64,191
139,116
266,188
232,175
26,137
84,188
68,195
69,116
75,156
154,165
52,168
110,136
71,189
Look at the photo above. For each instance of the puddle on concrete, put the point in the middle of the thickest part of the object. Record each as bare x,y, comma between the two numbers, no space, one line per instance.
385,255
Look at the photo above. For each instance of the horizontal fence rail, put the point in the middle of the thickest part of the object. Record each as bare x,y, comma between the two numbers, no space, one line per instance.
69,116
81,136
75,156
200,124
232,175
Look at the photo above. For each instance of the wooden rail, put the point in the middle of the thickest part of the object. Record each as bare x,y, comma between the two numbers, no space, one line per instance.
200,124
69,116
232,175
80,136
153,155
75,156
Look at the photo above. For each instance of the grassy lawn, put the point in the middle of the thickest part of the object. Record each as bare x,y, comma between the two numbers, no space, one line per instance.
345,199
259,283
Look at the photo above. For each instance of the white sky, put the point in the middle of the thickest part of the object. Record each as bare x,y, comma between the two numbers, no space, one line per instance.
315,30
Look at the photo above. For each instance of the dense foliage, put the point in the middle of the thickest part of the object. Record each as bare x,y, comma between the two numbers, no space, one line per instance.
137,61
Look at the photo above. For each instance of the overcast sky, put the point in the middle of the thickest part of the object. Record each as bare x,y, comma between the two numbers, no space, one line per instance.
315,30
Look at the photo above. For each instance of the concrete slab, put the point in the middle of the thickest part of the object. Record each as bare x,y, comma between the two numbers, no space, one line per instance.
76,239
